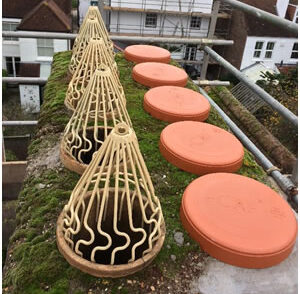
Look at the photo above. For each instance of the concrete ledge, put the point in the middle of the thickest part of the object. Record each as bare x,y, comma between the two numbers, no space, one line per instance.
13,174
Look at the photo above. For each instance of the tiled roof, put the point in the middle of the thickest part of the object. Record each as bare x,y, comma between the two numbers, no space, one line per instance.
19,8
46,16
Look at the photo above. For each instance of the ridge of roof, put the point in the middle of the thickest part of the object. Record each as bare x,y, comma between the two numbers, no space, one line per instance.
52,7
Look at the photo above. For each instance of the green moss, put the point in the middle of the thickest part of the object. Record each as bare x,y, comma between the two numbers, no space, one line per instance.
10,155
38,265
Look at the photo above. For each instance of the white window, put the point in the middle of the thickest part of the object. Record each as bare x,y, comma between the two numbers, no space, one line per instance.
12,66
45,47
294,54
151,20
296,16
195,22
11,27
190,52
258,49
94,3
269,49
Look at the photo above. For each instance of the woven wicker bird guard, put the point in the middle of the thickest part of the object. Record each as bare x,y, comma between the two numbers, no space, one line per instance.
94,55
99,110
113,223
90,28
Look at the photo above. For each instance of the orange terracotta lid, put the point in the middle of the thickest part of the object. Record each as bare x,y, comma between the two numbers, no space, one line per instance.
201,148
154,74
146,53
239,220
171,103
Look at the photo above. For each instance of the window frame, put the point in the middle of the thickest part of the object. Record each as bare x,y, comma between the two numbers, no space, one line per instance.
190,52
259,50
15,65
294,51
149,23
268,50
94,3
195,20
10,23
44,46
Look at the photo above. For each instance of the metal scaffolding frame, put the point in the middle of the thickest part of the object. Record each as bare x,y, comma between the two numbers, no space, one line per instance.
140,39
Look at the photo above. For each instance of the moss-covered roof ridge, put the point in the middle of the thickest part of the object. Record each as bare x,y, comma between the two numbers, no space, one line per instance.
34,264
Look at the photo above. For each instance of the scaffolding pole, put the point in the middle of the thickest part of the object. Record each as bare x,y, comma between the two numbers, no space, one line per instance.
284,182
211,32
286,113
261,14
136,39
21,80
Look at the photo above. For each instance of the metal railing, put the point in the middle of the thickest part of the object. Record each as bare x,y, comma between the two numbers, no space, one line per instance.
284,182
261,14
287,114
6,123
161,40
24,80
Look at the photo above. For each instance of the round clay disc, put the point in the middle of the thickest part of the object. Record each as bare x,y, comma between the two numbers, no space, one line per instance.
238,220
171,103
147,53
201,148
155,74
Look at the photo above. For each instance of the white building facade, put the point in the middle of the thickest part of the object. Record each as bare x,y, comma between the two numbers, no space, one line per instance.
158,18
17,50
270,51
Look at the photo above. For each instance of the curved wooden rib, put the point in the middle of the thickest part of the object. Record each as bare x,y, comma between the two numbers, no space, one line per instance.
92,58
114,194
100,109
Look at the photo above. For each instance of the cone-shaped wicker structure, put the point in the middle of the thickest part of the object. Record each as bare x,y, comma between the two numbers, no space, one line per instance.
113,224
91,29
102,103
93,57
97,53
94,13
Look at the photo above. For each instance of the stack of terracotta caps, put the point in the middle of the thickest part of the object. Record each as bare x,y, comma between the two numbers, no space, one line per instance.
238,220
152,69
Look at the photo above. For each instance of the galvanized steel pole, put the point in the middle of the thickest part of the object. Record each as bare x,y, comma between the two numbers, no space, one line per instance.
255,88
134,39
285,183
211,83
19,123
24,80
261,14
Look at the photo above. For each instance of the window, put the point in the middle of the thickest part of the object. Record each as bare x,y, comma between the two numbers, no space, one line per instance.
45,47
269,49
296,16
11,27
294,54
12,66
258,49
94,3
195,22
151,20
190,52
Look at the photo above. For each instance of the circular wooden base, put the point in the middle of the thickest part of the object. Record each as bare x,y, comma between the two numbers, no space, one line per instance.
103,270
